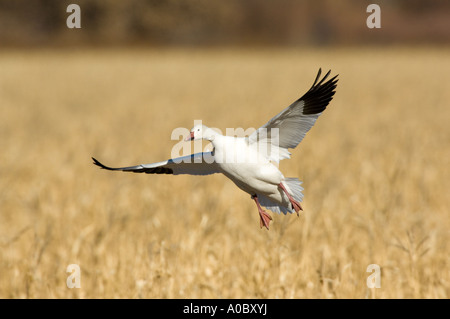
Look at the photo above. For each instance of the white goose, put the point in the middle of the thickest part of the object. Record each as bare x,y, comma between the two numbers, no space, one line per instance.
249,161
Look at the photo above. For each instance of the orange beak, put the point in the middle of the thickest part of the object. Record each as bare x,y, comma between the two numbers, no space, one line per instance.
190,137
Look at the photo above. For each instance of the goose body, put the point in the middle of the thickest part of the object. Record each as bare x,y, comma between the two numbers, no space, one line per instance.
250,161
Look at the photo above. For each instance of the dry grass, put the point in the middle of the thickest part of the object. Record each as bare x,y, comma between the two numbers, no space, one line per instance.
375,170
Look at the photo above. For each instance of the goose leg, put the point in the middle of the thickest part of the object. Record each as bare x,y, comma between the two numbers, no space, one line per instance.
264,216
295,205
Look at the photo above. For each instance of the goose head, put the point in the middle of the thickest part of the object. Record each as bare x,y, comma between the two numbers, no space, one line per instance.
199,132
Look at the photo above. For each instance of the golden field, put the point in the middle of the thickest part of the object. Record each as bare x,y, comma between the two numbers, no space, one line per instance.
375,169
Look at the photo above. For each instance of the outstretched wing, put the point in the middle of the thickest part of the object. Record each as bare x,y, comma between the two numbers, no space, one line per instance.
289,127
195,164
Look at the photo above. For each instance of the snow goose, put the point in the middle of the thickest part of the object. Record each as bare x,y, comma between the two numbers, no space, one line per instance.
250,161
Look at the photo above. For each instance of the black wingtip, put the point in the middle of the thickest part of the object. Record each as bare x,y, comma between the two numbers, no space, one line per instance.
100,164
320,94
317,77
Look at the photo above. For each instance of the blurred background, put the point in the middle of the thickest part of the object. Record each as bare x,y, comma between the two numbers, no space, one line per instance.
375,167
223,23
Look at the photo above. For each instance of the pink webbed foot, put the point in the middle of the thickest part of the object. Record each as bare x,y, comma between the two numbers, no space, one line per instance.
264,217
295,205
